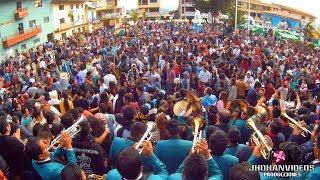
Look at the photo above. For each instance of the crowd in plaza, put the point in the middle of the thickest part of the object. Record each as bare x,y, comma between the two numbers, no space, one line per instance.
166,76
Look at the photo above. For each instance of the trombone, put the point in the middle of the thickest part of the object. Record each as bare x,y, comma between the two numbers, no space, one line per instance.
198,127
146,136
72,131
258,137
292,123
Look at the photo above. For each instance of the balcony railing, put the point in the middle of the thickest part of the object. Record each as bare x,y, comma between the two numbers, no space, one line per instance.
112,15
21,13
96,19
20,36
153,13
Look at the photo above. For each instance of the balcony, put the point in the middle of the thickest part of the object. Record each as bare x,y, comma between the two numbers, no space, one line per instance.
153,14
111,16
20,36
21,13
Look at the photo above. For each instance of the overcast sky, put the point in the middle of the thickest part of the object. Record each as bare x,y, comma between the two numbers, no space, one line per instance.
310,6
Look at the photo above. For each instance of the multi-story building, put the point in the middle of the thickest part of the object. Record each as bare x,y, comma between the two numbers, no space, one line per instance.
258,8
151,7
186,10
70,16
110,12
24,25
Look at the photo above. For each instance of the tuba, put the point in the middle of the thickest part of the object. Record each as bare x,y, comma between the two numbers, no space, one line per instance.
146,136
191,100
292,123
258,137
198,125
237,105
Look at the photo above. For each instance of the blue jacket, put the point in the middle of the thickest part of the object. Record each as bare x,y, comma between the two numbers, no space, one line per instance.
172,152
241,126
119,144
214,172
225,162
233,150
160,171
50,169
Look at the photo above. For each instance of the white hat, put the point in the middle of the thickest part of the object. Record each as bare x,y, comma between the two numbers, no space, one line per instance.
249,72
289,72
317,81
53,95
64,75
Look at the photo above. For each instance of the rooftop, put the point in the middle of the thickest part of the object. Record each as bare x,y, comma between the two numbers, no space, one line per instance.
294,10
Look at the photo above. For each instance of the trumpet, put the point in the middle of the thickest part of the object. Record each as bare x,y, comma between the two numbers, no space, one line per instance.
292,123
72,131
96,177
258,137
198,127
146,136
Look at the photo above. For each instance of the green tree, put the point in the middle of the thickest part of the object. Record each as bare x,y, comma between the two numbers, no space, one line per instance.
135,17
213,6
309,31
144,15
231,12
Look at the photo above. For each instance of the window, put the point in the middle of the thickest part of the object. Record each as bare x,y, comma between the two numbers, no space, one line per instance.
63,35
253,6
23,46
61,7
71,6
264,8
275,9
153,9
153,1
303,17
190,9
259,15
240,4
32,23
77,6
82,17
81,5
46,19
36,40
143,2
62,20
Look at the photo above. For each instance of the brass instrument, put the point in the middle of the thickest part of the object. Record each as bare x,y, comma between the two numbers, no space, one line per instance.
192,100
146,136
263,113
72,131
258,137
292,123
198,126
96,177
237,104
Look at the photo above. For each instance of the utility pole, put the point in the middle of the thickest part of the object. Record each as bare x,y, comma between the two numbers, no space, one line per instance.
236,18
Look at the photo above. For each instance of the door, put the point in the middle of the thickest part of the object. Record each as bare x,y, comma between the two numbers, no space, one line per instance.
50,37
18,5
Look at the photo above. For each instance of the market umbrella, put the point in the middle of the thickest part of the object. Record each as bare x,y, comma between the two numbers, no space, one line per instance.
120,32
259,31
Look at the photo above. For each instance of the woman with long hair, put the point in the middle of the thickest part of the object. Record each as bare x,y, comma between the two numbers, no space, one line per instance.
223,99
65,104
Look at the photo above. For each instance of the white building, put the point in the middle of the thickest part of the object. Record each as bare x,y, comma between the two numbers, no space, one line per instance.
70,16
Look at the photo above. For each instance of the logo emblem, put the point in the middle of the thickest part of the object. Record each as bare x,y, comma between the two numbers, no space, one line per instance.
279,156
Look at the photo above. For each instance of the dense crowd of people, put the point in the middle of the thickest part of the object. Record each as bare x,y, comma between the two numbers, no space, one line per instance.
157,80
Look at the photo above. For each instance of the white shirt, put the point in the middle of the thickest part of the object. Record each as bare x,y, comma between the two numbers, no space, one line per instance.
109,77
103,87
204,76
42,64
236,52
199,59
83,74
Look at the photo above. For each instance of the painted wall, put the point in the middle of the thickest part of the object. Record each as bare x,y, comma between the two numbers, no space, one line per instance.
7,8
79,13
